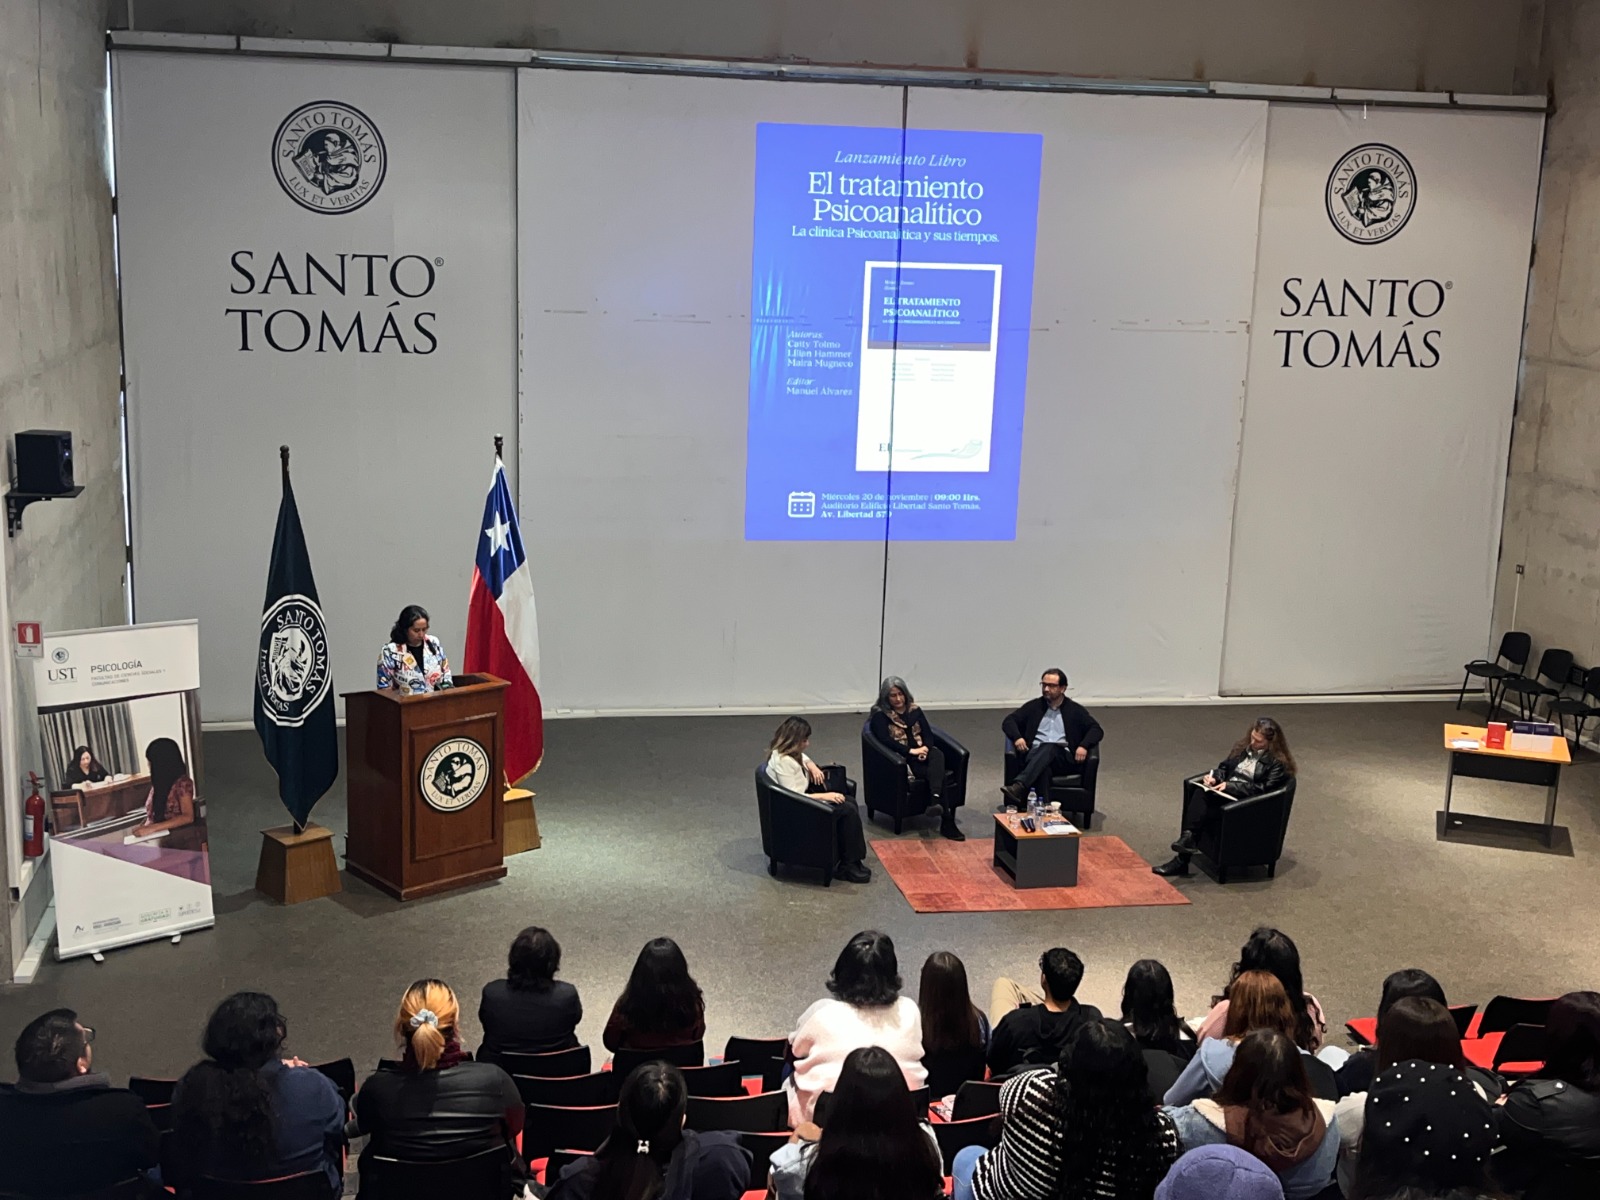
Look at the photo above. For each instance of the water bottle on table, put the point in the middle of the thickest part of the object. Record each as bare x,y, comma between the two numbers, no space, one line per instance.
1033,803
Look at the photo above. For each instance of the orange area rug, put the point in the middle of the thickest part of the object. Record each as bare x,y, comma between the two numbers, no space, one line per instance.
936,875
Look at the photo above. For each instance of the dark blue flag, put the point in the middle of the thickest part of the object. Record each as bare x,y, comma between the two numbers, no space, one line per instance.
294,680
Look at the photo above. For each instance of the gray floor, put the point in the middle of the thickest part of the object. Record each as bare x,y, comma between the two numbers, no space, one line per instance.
649,828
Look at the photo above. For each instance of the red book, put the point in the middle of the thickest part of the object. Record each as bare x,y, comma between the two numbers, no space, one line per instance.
1495,736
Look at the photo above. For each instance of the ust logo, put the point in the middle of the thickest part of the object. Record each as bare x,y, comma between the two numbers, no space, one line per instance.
61,674
802,504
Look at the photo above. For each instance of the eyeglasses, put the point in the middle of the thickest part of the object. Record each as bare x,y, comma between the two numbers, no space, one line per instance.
88,1034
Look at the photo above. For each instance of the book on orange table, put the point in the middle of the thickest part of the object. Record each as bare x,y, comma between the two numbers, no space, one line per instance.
1495,735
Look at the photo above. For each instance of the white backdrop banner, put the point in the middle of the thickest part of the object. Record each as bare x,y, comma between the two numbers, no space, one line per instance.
129,858
1383,365
319,254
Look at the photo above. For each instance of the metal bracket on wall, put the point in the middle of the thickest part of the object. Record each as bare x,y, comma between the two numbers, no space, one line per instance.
17,501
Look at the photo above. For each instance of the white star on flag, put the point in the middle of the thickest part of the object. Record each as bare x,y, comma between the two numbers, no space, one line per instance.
496,533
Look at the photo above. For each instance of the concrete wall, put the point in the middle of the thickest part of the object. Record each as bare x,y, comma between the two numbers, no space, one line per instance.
1461,45
59,350
1552,515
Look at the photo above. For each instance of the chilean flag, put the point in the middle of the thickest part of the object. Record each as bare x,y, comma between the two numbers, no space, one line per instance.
503,629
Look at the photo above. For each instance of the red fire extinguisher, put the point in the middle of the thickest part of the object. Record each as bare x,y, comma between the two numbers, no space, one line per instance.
33,821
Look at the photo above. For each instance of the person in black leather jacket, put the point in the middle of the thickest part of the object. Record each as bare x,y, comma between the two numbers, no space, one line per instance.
1550,1125
1259,762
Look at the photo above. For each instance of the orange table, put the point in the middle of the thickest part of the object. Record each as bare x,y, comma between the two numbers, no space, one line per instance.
1513,764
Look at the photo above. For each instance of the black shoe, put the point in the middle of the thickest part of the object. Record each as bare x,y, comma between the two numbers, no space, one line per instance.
1185,844
1178,866
1016,794
855,872
949,829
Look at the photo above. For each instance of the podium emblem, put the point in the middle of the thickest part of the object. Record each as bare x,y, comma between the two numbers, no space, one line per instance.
454,774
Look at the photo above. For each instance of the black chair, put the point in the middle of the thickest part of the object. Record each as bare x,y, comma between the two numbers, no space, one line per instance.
1074,791
1503,1012
949,1069
1248,832
482,1176
308,1185
719,1080
976,1099
765,1113
624,1061
342,1074
136,1188
1580,707
547,1127
556,1064
559,1161
160,1116
578,1091
1523,1048
765,1054
1510,661
1554,666
920,1098
762,1147
1324,1083
152,1091
1162,1068
796,830
955,1136
886,787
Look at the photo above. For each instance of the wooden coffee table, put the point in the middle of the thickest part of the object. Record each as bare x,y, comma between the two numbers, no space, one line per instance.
1035,860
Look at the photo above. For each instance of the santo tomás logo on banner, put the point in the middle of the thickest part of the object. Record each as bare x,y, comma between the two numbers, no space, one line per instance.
329,157
1371,193
292,675
454,774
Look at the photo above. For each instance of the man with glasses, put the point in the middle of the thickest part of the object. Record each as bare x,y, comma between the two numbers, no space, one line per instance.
64,1130
1054,734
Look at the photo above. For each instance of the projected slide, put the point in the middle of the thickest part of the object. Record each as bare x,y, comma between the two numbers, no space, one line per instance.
892,280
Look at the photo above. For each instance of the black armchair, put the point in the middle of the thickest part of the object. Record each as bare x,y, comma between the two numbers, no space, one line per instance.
1248,832
886,788
796,830
1074,792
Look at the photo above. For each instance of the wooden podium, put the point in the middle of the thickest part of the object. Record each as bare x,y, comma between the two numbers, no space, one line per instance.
425,781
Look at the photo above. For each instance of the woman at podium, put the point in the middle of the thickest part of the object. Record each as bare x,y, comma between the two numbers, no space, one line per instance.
413,661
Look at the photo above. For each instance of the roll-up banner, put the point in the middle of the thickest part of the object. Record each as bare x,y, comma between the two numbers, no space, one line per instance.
119,730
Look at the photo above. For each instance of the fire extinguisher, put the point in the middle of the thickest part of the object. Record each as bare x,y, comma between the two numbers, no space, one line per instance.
33,821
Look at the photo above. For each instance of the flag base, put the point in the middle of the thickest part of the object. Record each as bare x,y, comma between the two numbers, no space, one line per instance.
295,867
521,830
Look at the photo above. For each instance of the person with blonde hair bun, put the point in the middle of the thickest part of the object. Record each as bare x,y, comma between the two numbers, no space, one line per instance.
436,1103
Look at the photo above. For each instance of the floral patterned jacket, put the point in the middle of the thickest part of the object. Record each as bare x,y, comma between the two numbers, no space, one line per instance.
398,667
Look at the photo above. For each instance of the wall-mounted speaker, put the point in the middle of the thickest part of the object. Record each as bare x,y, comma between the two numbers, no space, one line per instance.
44,462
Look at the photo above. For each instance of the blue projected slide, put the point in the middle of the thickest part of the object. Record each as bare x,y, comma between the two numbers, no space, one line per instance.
890,297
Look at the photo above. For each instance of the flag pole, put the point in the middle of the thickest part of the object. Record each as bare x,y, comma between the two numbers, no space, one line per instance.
283,454
498,443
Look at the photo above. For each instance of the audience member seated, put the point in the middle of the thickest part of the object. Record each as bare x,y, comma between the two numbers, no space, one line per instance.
1032,1029
1428,1137
900,724
1258,1003
1053,732
1265,1106
955,1031
1359,1070
436,1104
790,767
64,1130
661,1005
1412,1029
866,1009
1085,1128
1259,762
875,1143
1219,1173
650,1154
1550,1125
244,1113
1271,950
529,1011
1151,1015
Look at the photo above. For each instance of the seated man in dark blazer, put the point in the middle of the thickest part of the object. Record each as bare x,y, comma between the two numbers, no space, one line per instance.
1053,732
64,1130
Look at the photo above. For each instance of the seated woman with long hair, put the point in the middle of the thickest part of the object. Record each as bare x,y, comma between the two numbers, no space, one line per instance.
865,1009
1259,762
84,768
1259,1002
170,804
955,1031
662,1004
790,767
244,1113
1550,1124
530,1011
1272,950
1082,1131
874,1146
651,1156
1150,1013
436,1103
1265,1106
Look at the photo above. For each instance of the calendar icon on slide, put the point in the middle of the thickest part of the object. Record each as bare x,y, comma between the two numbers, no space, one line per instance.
802,504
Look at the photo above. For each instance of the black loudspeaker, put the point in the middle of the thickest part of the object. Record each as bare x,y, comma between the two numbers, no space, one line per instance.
44,462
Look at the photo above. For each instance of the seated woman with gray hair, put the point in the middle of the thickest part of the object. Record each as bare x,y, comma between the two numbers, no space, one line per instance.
901,725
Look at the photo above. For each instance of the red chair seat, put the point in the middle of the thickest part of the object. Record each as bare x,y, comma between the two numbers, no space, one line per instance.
1363,1029
1480,1051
